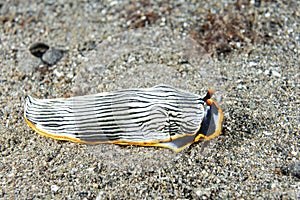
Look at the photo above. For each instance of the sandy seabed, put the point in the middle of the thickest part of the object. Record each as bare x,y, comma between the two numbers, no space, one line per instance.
255,73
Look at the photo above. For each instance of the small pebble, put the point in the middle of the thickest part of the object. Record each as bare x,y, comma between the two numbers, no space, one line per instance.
52,56
292,169
252,64
70,75
198,192
267,15
54,188
276,74
38,49
267,133
58,74
99,196
295,169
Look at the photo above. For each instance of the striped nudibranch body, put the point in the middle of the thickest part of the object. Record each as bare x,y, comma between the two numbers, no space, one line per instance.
159,116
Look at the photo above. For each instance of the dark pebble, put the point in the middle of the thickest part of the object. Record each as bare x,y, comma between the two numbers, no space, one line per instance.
292,170
38,49
295,169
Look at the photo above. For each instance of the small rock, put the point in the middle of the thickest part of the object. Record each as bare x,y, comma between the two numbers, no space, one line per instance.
100,195
91,169
58,74
267,15
294,153
295,169
276,74
252,64
268,133
267,72
203,192
54,188
52,56
70,75
292,169
259,71
38,49
198,193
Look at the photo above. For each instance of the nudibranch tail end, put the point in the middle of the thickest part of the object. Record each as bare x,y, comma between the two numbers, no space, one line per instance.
28,103
53,136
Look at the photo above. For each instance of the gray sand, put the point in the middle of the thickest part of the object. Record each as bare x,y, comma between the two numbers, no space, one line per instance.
257,82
